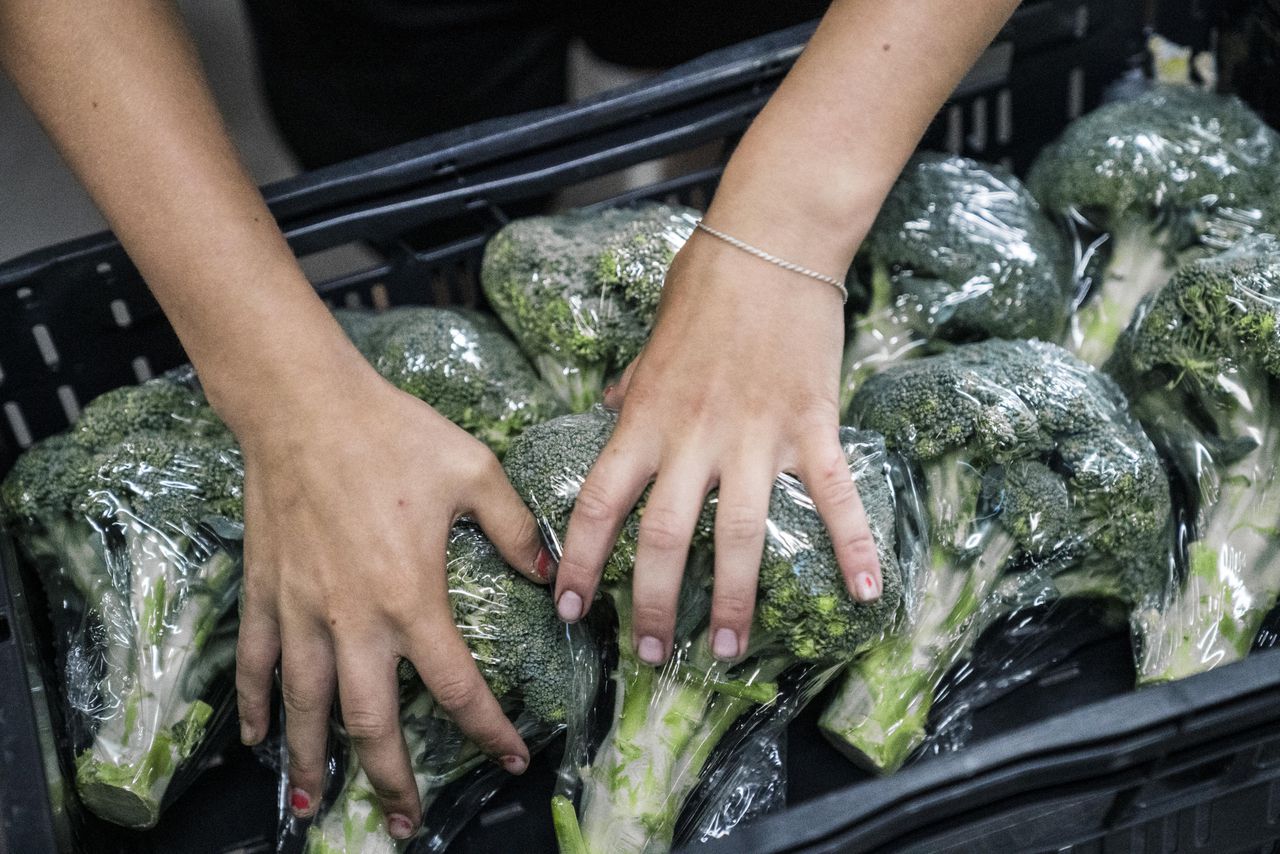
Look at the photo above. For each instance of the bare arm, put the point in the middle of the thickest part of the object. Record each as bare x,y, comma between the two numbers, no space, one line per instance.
344,540
740,378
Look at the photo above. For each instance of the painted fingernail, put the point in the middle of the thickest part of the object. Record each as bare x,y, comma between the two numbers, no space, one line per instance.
514,764
725,643
569,607
399,826
650,650
299,802
542,564
247,734
609,390
865,587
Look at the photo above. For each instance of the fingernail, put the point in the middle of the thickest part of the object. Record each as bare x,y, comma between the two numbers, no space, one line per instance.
514,764
542,564
650,650
299,802
609,389
725,643
865,587
246,734
399,826
569,607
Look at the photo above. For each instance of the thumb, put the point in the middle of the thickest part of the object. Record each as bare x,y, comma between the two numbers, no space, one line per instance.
510,526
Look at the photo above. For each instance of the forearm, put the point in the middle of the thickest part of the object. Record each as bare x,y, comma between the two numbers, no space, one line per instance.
815,166
119,88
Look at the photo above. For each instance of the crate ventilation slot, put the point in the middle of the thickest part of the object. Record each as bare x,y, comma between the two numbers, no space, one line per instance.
18,424
44,341
142,369
120,311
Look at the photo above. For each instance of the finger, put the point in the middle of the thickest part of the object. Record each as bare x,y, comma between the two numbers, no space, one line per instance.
607,496
370,698
508,523
666,527
826,475
446,666
741,509
257,651
307,682
615,394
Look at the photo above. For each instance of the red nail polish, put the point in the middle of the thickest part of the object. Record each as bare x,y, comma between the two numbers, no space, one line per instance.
299,800
542,566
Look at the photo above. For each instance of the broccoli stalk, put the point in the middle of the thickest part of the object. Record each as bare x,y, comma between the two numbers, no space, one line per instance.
882,336
667,722
1201,360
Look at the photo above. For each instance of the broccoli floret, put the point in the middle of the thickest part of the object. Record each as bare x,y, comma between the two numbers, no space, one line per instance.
580,290
135,518
525,656
667,721
960,251
1172,171
1201,361
1025,454
461,363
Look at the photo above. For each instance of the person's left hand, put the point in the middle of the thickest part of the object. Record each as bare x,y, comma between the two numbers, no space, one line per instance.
738,382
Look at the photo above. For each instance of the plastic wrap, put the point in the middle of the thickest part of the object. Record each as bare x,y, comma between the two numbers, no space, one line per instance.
459,361
579,291
1028,462
133,521
1149,181
1201,361
960,251
532,662
669,722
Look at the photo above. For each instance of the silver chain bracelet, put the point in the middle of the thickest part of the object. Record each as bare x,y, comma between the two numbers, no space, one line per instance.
774,259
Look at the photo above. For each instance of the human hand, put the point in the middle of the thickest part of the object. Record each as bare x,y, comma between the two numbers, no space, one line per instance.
738,382
348,506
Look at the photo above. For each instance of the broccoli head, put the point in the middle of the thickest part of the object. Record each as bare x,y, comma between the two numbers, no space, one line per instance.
960,251
526,657
580,290
667,721
1025,454
1201,361
1172,171
133,519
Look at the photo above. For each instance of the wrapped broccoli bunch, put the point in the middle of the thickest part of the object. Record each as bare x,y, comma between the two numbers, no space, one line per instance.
459,361
668,721
959,252
530,661
1201,361
1027,458
134,520
1173,171
580,291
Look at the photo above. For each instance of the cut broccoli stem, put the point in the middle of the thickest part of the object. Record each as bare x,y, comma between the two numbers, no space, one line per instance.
568,833
581,387
1232,577
878,339
1139,264
879,715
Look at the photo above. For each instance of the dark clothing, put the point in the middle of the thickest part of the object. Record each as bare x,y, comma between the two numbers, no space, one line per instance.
347,78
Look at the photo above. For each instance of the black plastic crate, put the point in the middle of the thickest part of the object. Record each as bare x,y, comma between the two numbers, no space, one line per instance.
75,320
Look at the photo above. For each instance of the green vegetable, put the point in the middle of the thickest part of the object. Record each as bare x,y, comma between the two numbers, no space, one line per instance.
667,721
579,291
1025,455
460,362
133,520
524,653
1201,361
960,251
1173,171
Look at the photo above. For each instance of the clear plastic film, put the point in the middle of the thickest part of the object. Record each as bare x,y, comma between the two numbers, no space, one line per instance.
133,521
580,290
459,361
670,724
1201,361
531,661
960,251
1036,482
1150,181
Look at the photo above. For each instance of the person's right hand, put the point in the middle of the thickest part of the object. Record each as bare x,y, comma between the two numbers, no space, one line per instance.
348,506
